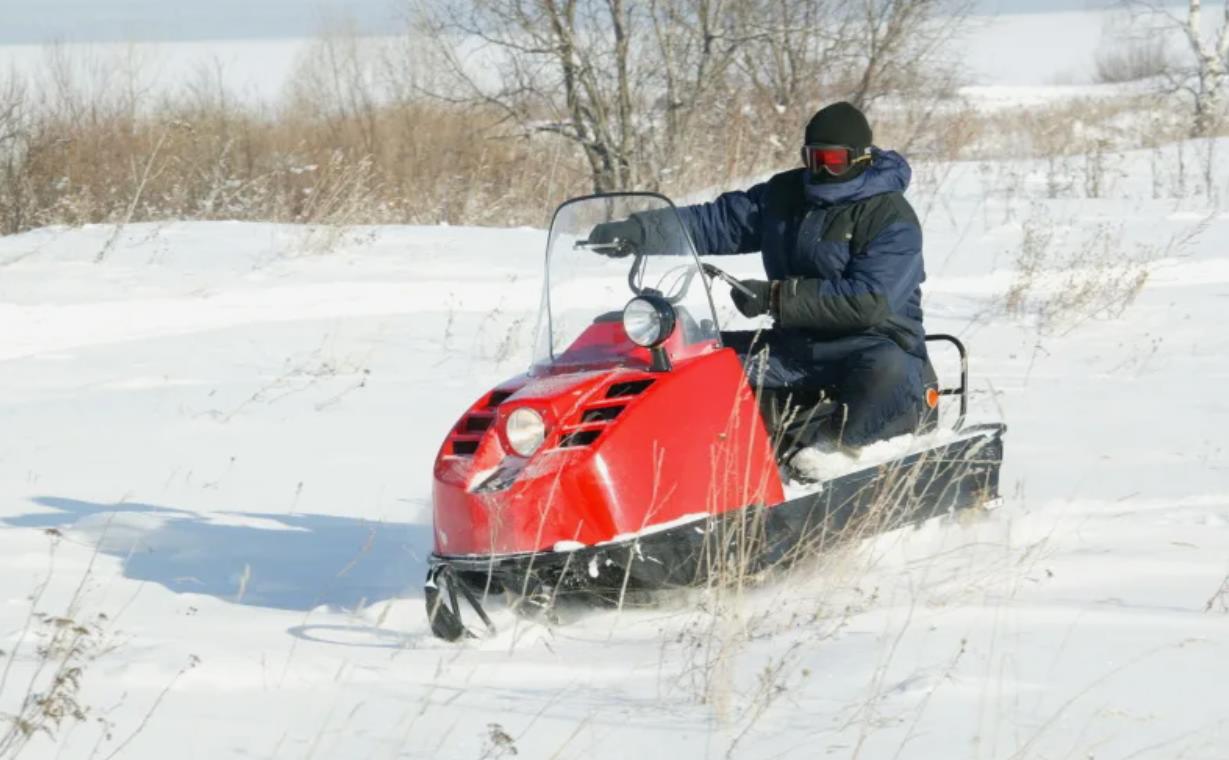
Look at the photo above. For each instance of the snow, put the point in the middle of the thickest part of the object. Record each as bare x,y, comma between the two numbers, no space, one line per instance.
221,436
243,432
820,464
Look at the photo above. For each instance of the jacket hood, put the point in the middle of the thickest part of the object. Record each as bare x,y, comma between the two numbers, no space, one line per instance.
889,172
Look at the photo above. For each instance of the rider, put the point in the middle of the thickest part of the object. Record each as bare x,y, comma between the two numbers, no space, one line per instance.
842,249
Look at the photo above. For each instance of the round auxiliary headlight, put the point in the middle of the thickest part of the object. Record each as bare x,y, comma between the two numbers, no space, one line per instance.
525,430
648,321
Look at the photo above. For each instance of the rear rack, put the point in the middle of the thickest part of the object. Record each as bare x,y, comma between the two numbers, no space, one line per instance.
963,390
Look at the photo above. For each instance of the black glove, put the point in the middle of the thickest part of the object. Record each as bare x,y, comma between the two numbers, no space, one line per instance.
618,238
752,306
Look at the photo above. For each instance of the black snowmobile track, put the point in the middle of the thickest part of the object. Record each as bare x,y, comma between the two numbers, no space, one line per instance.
961,474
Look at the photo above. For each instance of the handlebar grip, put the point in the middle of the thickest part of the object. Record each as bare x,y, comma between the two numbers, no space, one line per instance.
729,279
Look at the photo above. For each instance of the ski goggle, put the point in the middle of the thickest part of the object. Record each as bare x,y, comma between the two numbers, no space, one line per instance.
834,159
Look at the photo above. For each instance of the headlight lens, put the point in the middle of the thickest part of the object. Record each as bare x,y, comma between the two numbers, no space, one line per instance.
648,321
526,430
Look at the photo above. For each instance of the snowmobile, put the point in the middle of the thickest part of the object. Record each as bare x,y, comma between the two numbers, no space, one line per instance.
633,456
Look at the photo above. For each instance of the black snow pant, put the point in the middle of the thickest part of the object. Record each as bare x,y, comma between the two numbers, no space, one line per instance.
851,391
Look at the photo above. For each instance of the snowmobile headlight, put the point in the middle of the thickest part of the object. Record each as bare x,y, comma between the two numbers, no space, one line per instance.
526,430
648,320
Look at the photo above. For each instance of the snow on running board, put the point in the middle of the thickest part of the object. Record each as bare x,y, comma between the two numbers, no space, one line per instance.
820,465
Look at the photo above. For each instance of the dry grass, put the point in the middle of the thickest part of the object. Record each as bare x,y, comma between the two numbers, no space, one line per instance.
89,152
739,560
1220,599
60,648
211,162
1065,277
352,142
53,655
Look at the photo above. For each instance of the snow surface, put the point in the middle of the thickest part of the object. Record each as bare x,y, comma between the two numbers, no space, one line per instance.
225,440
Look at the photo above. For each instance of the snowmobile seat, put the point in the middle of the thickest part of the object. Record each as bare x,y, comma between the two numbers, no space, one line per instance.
799,417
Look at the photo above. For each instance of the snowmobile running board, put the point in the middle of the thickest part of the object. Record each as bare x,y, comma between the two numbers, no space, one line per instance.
957,475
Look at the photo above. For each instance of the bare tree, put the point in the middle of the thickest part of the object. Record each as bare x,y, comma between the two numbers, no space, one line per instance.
1205,78
619,78
797,50
805,52
634,82
1209,96
696,45
902,44
547,66
336,79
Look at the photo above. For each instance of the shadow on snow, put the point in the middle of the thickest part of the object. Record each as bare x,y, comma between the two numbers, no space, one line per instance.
282,561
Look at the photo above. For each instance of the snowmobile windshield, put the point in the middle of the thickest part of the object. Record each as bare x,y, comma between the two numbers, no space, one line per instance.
603,252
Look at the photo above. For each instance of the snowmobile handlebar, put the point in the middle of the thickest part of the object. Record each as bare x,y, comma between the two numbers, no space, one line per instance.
728,279
617,248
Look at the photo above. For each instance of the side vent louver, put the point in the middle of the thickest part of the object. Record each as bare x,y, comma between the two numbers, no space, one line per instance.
629,388
600,414
476,423
579,438
473,427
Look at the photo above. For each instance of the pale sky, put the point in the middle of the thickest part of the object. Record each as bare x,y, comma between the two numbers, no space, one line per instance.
37,21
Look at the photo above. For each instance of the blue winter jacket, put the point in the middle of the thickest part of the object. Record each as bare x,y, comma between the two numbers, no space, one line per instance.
850,252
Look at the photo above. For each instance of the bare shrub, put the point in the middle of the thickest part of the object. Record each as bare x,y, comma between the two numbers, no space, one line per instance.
1063,279
60,649
57,652
66,648
14,115
1133,60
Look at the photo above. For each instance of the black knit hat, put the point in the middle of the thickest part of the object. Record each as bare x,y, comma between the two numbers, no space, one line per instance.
840,124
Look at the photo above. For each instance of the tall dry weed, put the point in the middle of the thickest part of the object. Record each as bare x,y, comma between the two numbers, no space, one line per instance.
1066,276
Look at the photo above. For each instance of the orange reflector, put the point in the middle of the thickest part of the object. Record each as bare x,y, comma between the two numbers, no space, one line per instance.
932,398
